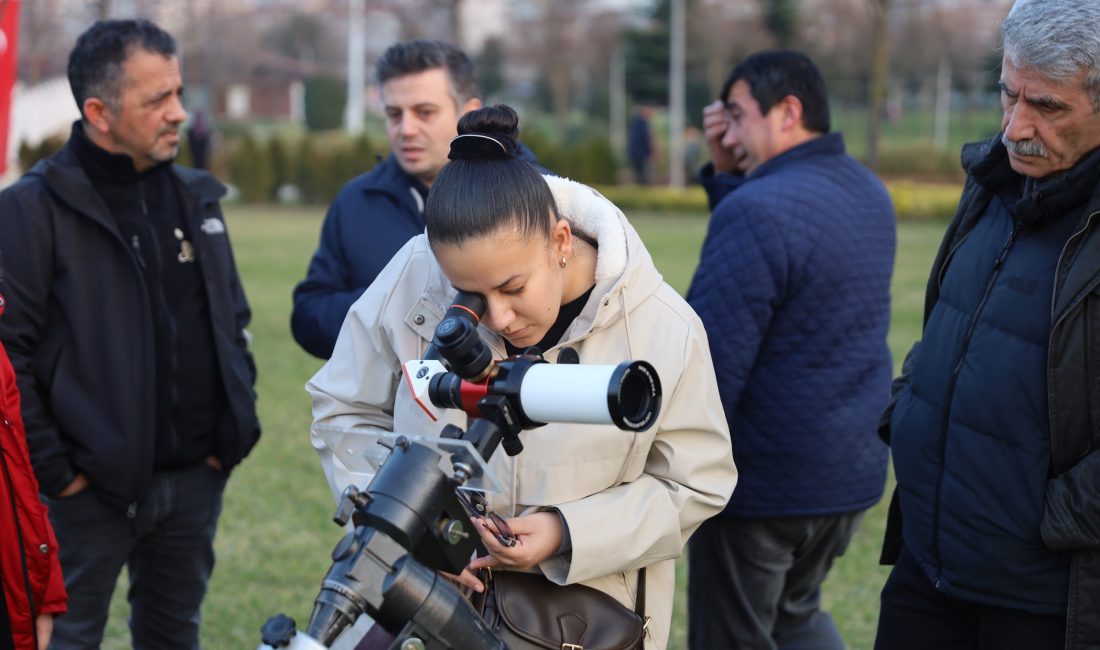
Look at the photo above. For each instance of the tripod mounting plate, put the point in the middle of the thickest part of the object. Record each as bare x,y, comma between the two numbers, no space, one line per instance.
362,452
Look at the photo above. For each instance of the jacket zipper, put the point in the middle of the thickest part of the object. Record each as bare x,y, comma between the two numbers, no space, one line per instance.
1058,267
997,265
135,245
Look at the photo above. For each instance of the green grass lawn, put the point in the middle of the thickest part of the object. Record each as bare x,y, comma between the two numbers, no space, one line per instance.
275,533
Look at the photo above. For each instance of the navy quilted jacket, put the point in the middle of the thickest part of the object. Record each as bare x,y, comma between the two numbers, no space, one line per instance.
793,287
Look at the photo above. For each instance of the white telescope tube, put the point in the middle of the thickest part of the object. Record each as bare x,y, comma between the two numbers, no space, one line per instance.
627,395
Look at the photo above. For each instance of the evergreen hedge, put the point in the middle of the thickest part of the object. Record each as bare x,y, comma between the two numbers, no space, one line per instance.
324,103
912,199
317,165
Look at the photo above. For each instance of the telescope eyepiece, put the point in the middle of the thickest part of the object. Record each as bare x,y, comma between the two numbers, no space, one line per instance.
463,350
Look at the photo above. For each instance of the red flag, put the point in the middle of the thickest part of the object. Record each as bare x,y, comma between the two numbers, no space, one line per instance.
9,48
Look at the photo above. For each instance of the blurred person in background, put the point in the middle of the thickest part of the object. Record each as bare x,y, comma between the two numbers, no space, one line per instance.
639,145
199,140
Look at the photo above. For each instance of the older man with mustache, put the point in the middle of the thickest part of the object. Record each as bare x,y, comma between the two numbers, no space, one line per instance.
124,323
995,420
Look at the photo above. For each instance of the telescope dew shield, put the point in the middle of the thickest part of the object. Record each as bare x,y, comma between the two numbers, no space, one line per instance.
627,395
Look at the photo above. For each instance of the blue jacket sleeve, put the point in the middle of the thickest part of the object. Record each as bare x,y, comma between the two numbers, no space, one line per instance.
740,281
322,300
718,184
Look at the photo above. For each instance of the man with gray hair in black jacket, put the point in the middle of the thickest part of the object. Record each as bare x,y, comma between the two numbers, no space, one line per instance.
995,421
125,326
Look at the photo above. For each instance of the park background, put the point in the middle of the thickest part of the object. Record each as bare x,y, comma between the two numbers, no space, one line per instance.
287,86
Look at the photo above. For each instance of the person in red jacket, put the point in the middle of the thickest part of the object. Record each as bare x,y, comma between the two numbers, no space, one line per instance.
30,573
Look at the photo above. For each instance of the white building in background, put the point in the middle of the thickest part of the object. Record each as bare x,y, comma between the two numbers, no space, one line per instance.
38,112
481,20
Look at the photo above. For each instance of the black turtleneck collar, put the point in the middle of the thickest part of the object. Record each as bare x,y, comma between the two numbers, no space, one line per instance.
104,167
1032,201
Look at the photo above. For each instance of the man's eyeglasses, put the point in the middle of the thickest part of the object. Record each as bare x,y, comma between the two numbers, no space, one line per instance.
476,506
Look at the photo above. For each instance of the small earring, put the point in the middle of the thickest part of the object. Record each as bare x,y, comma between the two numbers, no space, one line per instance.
562,262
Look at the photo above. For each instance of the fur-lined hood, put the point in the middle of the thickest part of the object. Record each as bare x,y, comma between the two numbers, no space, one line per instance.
625,274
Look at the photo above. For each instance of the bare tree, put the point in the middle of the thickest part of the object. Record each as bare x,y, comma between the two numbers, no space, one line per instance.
551,45
41,58
430,19
559,37
727,32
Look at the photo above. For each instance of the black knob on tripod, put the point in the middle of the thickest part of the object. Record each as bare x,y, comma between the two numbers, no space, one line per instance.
278,631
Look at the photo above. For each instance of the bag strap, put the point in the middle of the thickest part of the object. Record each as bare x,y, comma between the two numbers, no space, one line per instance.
639,607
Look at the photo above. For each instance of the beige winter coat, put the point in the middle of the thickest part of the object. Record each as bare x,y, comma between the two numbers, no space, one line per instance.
630,500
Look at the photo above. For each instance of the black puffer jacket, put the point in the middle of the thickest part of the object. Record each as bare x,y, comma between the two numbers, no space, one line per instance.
79,330
1071,522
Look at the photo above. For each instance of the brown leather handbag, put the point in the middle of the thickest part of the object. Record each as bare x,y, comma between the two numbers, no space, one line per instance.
529,612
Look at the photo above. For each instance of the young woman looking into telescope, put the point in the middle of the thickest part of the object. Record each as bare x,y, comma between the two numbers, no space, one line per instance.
559,266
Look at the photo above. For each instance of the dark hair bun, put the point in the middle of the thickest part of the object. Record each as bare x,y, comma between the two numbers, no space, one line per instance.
488,133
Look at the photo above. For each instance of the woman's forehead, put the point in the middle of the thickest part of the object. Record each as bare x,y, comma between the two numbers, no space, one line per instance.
490,262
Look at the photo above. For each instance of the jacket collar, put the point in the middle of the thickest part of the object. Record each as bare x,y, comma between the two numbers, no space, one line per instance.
826,144
388,177
1035,201
67,180
625,274
102,166
1081,273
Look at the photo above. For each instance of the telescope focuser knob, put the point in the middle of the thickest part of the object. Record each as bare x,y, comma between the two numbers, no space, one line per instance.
278,631
350,501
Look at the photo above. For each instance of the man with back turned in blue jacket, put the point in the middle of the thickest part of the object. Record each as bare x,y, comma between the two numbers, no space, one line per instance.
793,287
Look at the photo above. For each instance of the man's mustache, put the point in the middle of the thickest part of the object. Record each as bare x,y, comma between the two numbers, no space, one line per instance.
1030,147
